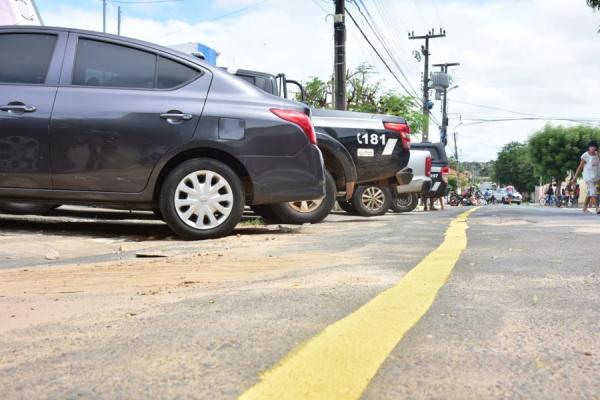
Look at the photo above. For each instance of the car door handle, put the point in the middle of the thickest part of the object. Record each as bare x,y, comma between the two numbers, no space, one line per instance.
177,116
18,108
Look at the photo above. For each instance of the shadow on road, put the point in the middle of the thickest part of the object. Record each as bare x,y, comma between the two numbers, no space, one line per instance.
102,223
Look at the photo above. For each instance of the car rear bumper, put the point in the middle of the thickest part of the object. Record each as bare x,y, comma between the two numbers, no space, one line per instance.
283,179
418,184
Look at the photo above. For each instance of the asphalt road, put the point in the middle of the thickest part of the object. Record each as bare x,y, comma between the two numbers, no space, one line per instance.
519,316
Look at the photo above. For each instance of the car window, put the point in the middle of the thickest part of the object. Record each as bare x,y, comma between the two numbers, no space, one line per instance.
172,74
25,57
111,65
248,79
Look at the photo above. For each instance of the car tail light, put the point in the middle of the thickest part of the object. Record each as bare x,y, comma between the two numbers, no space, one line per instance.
299,118
403,130
445,171
428,166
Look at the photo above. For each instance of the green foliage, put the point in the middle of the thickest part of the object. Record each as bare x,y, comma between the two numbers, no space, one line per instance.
365,94
514,166
478,168
316,92
452,183
556,150
595,4
392,103
362,94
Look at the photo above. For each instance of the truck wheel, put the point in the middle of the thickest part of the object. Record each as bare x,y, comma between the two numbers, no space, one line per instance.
371,201
348,207
404,202
26,208
202,199
307,212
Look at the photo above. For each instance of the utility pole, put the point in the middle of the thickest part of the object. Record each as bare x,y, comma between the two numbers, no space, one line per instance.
425,50
339,38
444,128
119,21
456,157
104,16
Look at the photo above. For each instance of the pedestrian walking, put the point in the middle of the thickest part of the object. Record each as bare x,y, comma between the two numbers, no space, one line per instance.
589,166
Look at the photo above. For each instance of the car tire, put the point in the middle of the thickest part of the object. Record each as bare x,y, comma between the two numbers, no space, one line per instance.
26,208
348,207
404,202
371,201
194,211
307,212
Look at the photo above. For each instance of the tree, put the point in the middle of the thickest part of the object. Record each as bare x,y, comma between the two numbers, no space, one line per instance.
556,150
595,4
364,93
392,103
514,166
316,92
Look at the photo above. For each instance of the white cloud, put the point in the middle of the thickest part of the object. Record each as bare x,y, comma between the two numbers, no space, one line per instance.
533,56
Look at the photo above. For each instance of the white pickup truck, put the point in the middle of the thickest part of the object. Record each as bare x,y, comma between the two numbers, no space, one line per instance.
406,197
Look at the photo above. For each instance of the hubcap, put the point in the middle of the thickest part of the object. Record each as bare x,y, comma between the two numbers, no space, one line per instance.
403,200
203,200
373,198
306,206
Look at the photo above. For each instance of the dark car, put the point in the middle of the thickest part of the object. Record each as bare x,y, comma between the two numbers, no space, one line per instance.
439,168
95,119
365,156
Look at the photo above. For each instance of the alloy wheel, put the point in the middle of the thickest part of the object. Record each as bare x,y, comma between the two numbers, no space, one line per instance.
306,206
373,198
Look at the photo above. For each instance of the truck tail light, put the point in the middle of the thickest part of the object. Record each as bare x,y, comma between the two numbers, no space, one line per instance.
445,171
428,166
403,130
299,118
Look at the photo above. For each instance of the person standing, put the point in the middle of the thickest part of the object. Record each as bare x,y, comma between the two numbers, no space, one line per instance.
510,193
590,167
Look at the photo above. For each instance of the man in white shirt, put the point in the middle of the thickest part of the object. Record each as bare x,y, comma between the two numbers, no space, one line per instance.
590,166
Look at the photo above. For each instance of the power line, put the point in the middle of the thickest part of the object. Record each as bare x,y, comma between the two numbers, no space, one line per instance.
497,120
381,58
531,115
383,41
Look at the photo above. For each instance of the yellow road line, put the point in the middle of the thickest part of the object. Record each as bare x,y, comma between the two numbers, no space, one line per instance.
340,362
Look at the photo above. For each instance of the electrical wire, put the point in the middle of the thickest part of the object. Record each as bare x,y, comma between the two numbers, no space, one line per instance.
413,100
384,43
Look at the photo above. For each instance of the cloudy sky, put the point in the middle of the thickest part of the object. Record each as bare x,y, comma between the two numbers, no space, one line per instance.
532,58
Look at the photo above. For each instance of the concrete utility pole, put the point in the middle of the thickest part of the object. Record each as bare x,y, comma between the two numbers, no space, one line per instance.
444,128
339,38
456,157
104,16
119,21
425,50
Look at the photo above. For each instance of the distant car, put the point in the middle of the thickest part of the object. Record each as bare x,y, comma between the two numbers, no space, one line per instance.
439,168
516,197
406,197
95,119
501,196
